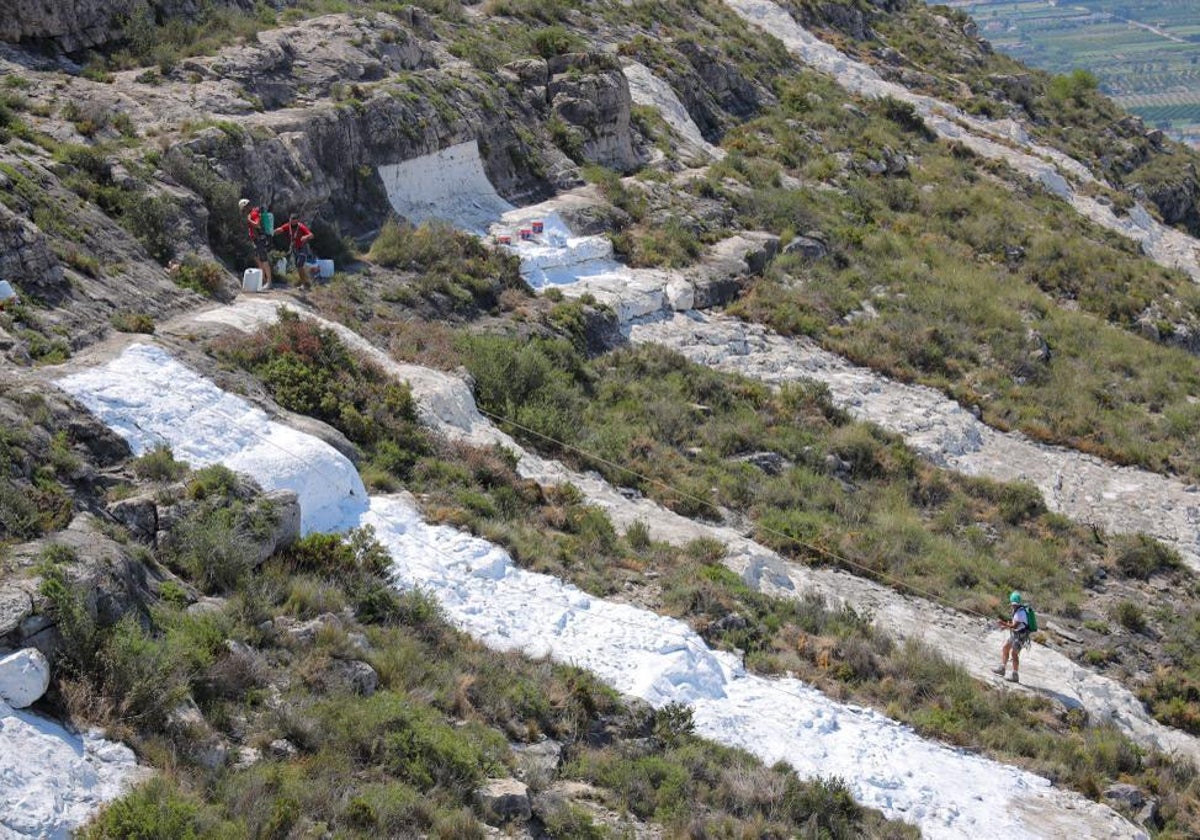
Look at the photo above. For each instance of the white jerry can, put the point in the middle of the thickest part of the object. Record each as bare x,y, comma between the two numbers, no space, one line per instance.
252,280
325,269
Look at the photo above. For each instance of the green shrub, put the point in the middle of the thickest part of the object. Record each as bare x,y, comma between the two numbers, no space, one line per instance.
672,723
213,549
20,517
566,137
132,322
152,219
570,822
1141,556
309,370
79,635
638,535
1130,616
142,674
1074,87
555,40
226,232
216,481
449,263
337,556
205,277
156,810
670,245
158,464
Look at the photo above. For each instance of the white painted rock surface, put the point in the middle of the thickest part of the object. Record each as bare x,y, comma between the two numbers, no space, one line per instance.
24,677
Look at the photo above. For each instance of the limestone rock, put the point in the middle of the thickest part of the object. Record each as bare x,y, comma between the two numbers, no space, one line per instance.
538,760
246,757
807,247
15,606
532,72
1126,794
1176,197
24,677
353,675
139,515
590,93
306,633
73,25
282,749
772,463
504,801
191,731
285,505
26,257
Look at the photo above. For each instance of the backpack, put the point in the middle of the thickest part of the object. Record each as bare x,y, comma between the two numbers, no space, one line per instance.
1031,625
268,222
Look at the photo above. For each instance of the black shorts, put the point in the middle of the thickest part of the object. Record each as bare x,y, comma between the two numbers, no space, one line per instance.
260,248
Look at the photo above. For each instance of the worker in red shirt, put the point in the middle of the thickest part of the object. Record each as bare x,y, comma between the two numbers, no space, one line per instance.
258,237
299,249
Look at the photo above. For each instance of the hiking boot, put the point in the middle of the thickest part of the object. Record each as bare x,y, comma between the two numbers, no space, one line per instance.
999,671
1013,677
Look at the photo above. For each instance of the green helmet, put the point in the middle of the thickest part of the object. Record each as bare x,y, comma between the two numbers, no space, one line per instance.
1015,598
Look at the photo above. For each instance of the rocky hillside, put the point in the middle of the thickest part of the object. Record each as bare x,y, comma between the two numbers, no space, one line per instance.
931,321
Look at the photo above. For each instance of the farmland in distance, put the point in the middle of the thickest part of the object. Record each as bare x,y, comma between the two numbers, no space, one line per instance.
1146,54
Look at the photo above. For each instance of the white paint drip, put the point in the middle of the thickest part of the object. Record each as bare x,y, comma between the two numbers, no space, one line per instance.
948,793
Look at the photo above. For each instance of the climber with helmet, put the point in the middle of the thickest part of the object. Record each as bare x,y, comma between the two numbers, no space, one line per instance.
1018,636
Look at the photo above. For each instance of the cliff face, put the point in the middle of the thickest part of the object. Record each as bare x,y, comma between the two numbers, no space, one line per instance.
301,118
74,25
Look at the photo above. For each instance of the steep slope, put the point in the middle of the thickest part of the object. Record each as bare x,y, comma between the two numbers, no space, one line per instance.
453,115
639,653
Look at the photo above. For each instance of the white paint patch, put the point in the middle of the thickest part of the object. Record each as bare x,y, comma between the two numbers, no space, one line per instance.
449,185
24,677
948,793
647,89
220,428
52,781
444,403
555,255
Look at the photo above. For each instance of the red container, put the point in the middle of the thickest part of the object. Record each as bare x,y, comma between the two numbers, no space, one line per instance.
526,233
538,227
504,240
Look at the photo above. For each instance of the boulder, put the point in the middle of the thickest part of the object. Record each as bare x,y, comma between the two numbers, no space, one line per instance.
807,247
285,505
27,258
532,72
540,759
306,633
1125,794
15,606
504,801
139,515
772,463
282,749
352,675
24,677
191,731
590,94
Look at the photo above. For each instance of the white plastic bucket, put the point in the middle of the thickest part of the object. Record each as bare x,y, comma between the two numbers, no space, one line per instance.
325,268
252,280
6,291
